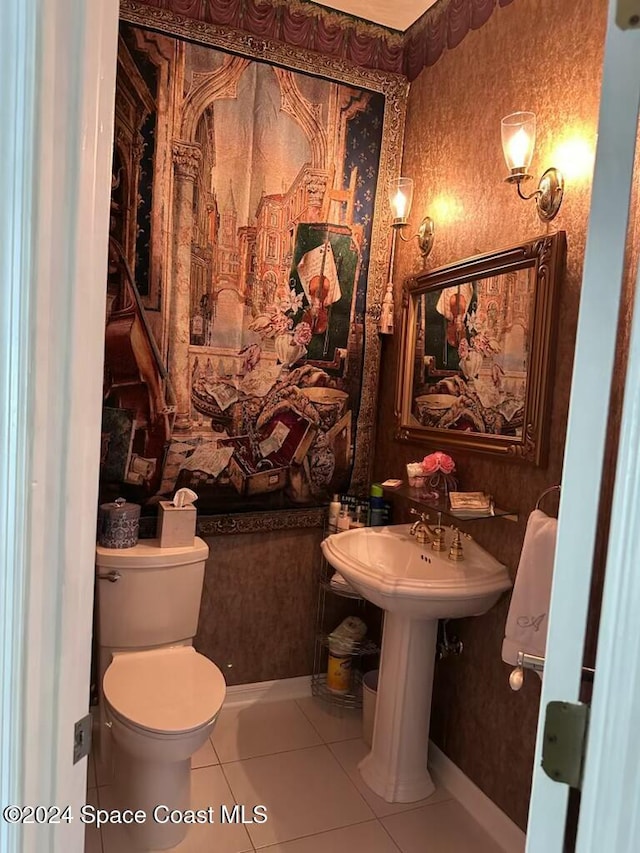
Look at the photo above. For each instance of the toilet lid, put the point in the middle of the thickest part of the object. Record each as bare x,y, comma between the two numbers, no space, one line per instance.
164,690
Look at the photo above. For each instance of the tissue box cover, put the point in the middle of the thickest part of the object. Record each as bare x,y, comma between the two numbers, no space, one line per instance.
253,474
176,525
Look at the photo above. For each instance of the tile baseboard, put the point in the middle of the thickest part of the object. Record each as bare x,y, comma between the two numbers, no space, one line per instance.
269,691
492,819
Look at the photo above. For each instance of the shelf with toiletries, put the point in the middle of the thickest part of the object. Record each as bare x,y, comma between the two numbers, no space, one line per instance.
442,504
344,590
363,647
351,699
347,642
348,628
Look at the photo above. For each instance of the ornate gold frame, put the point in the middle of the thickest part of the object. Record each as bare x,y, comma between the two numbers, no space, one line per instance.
394,87
545,255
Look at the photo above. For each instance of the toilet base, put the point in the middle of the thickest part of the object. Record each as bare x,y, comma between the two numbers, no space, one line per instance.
153,787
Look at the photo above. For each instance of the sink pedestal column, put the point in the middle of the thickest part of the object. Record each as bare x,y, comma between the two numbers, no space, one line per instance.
396,767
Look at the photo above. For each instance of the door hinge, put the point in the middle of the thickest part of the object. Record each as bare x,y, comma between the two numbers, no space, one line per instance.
628,14
564,742
82,738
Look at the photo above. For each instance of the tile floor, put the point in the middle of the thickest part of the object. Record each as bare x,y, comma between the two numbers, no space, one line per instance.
299,759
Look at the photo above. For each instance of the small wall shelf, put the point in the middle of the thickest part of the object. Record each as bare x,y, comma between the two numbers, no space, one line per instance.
423,499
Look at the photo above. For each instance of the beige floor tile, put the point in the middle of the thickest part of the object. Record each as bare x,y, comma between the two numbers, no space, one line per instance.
370,837
305,792
261,729
205,756
208,788
350,754
440,828
92,840
332,722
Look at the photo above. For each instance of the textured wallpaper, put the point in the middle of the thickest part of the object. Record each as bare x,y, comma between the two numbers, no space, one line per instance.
544,57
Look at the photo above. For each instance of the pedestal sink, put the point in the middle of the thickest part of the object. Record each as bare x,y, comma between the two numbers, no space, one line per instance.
415,586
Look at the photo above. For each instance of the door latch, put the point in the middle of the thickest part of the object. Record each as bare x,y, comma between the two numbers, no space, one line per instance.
82,738
564,742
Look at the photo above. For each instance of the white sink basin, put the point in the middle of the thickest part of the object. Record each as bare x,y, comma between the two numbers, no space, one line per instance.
415,586
387,567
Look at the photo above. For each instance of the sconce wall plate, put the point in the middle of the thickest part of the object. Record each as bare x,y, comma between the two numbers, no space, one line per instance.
426,236
551,189
549,194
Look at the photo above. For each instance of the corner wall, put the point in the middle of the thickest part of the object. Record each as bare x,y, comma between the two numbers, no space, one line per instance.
544,57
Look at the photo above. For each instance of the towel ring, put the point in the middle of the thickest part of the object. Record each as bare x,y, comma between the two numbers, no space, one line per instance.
547,492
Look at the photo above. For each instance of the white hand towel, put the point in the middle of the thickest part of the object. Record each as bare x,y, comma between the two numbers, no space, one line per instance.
527,622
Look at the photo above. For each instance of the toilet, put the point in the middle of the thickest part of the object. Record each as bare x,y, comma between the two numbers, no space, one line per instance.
159,698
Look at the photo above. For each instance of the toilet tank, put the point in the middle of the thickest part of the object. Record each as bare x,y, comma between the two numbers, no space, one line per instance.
156,598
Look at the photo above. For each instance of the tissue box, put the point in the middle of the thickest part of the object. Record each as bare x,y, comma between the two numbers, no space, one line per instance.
176,525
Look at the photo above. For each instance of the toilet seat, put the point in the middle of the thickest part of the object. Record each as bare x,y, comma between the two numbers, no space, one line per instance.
164,691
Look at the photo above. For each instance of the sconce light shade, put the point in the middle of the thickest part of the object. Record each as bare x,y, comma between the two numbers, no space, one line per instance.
400,198
518,132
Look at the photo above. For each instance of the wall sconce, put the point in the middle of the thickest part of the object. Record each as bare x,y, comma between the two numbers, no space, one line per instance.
518,132
400,198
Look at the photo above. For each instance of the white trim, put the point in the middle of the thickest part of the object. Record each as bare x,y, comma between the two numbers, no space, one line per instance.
268,691
588,414
62,69
507,835
18,72
609,818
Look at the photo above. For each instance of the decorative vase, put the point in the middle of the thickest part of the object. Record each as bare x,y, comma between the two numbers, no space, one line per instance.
470,365
441,484
288,352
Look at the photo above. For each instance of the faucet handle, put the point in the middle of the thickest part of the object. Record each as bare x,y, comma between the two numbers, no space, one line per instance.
423,516
456,552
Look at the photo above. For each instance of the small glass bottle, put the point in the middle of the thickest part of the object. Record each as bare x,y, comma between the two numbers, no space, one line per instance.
344,520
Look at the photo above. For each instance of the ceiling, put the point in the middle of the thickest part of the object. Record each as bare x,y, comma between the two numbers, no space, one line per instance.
398,14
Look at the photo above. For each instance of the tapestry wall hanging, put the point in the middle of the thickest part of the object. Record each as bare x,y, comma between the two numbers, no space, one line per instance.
246,267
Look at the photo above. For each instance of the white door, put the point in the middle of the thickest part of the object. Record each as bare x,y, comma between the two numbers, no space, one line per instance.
611,785
57,84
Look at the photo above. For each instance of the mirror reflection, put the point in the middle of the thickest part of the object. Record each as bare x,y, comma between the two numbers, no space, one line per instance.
472,354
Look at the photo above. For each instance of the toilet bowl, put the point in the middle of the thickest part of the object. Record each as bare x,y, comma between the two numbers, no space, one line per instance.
159,698
161,706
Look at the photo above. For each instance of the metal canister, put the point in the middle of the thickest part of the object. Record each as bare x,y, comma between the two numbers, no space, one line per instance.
118,524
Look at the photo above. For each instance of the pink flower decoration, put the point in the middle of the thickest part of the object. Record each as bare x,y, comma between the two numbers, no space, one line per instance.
463,348
438,461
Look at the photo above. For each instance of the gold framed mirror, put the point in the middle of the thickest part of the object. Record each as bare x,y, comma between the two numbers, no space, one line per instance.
478,339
